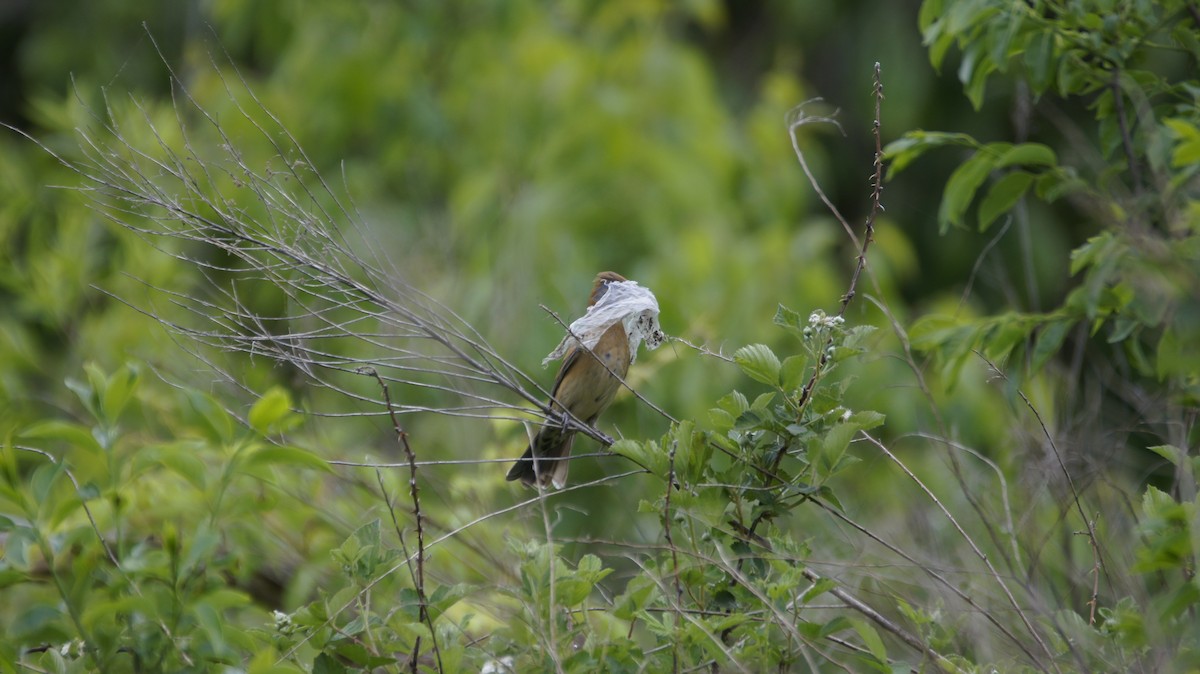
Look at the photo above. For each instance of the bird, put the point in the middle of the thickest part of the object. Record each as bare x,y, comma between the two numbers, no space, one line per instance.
585,386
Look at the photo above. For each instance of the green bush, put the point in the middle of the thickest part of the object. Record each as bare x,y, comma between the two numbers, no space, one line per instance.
992,470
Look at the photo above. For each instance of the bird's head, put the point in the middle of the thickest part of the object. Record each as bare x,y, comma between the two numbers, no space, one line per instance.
600,286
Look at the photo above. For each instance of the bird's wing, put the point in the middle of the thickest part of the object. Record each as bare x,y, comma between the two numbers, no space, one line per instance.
568,362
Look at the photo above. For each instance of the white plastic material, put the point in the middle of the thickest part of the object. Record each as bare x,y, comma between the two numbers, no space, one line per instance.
625,301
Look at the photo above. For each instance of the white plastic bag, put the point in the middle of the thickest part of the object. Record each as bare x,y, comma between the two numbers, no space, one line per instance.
625,301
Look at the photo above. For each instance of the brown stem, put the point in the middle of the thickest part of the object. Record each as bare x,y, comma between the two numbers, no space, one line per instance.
1135,172
861,261
414,490
674,550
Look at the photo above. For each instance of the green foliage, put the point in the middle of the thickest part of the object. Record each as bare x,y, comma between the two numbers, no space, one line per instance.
125,544
1129,283
729,585
983,472
1136,272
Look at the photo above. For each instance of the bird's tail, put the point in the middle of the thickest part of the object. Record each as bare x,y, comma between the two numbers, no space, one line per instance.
545,461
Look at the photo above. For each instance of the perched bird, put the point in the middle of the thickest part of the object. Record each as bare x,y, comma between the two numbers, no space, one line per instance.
585,385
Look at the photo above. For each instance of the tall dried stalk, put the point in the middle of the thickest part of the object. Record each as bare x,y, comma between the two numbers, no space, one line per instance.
187,189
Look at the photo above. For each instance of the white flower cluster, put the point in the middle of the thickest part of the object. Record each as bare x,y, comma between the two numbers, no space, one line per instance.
818,319
283,623
504,664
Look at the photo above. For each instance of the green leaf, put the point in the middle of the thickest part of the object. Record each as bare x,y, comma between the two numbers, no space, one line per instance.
1028,154
935,330
35,619
180,458
117,392
1005,333
1096,250
1071,78
10,577
961,187
645,454
97,383
639,592
734,403
1171,453
86,395
328,664
867,419
444,597
408,629
1176,357
939,43
792,374
1187,150
720,419
973,72
763,401
837,439
73,434
1040,61
591,566
818,588
63,507
759,363
1052,185
286,455
1187,38
751,420
903,151
931,11
199,549
267,661
692,452
211,624
1049,340
871,639
270,411
791,320
43,480
210,416
574,588
1002,196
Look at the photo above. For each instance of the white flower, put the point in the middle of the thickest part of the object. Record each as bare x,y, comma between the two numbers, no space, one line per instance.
818,319
501,666
283,622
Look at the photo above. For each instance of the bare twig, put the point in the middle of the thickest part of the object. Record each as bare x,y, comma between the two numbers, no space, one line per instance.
702,349
796,119
1075,498
283,226
869,235
1135,171
1097,568
543,495
414,491
1012,600
885,623
671,546
730,659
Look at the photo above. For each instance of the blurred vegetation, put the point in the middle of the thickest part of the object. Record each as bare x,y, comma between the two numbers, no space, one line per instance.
989,465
